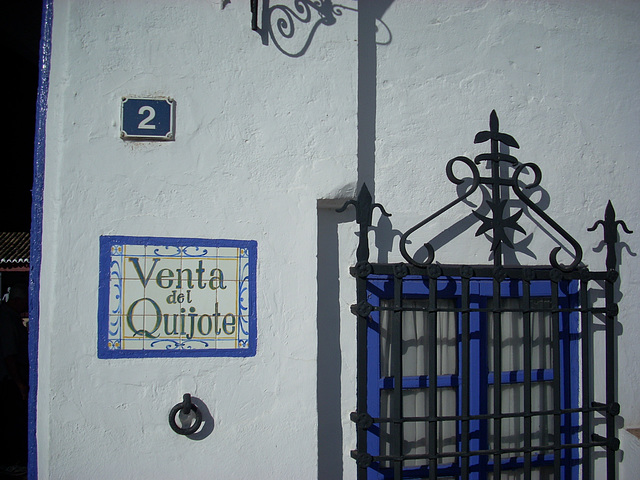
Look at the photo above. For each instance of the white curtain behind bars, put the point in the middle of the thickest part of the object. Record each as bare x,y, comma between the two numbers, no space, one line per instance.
415,362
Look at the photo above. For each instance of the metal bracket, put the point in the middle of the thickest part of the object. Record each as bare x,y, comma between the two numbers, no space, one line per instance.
185,408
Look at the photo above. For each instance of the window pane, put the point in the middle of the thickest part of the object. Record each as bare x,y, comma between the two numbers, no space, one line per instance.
540,473
409,437
513,402
415,403
512,334
416,338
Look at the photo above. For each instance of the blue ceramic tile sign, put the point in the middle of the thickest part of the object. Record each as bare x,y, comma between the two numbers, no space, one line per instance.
172,297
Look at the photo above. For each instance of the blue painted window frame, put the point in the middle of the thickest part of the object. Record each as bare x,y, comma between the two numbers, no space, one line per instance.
381,287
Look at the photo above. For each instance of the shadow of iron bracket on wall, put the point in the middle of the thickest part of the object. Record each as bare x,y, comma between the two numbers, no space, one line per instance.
291,29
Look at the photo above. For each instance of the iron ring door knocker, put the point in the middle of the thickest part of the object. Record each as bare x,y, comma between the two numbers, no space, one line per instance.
185,407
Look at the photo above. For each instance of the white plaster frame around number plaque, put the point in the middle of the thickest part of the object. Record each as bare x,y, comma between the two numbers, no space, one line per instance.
176,297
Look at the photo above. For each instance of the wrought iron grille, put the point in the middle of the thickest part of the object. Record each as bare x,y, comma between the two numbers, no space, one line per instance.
475,303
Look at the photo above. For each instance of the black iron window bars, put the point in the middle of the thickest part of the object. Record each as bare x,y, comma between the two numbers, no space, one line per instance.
467,425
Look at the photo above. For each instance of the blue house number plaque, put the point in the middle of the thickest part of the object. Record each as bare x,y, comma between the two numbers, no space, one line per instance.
147,118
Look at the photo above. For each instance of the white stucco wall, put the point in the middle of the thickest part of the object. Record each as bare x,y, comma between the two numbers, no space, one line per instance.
260,138
561,76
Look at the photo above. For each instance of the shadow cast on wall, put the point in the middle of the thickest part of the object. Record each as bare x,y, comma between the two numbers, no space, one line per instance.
499,212
291,26
330,357
512,191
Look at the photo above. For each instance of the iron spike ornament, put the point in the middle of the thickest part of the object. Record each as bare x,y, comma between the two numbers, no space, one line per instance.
364,216
610,226
497,224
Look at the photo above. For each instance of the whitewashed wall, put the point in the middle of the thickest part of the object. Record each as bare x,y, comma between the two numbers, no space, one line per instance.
261,138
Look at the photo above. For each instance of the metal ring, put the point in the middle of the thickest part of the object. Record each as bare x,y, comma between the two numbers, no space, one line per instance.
186,407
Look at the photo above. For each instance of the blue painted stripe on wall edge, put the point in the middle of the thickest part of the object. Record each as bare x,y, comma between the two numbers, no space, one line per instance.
36,230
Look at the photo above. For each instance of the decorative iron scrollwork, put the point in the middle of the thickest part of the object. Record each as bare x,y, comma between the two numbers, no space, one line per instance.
291,26
497,222
452,177
281,22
